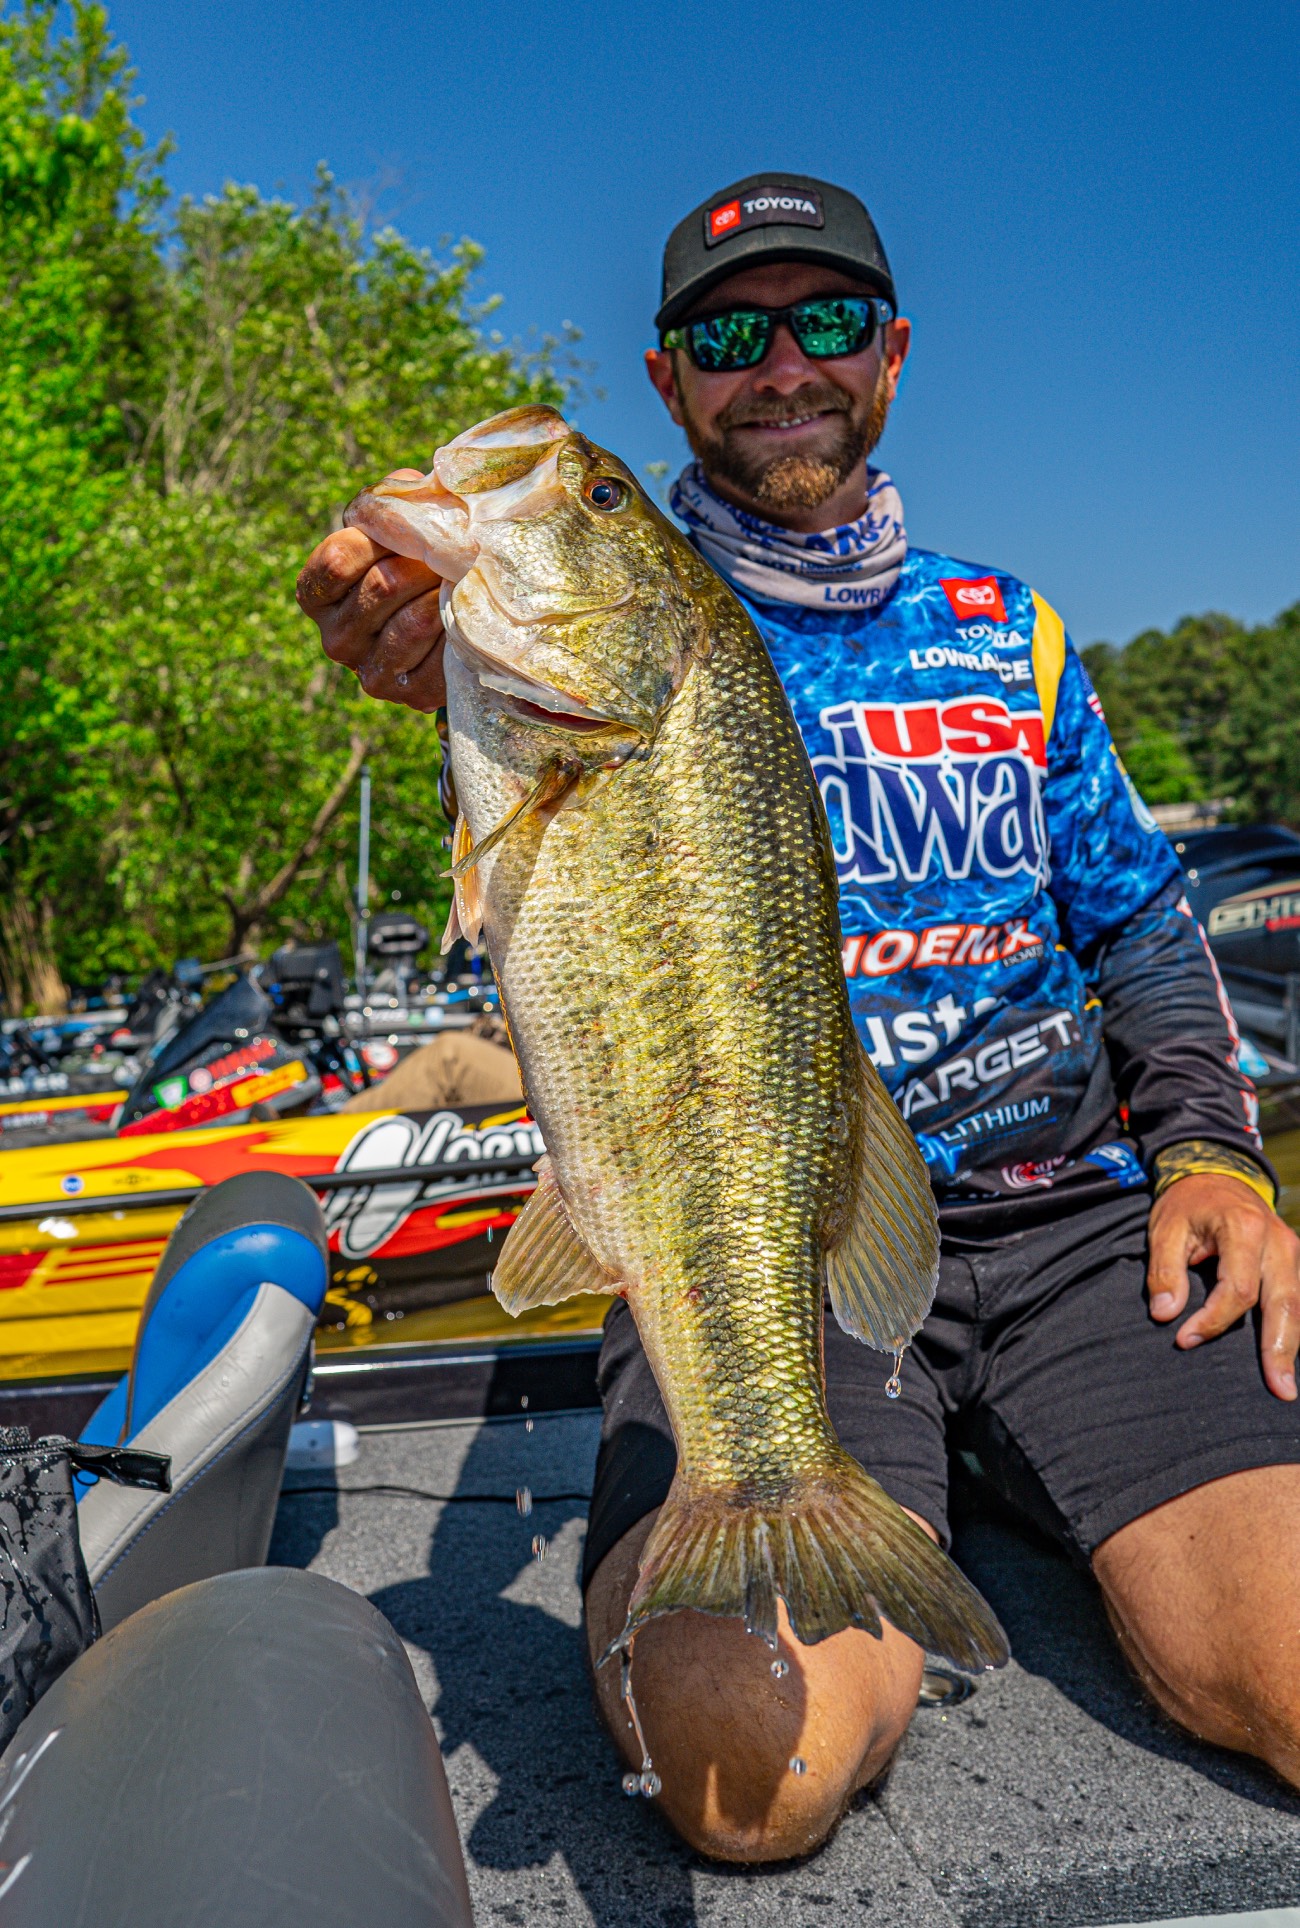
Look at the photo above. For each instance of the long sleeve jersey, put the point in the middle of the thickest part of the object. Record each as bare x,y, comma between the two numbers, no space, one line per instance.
1022,964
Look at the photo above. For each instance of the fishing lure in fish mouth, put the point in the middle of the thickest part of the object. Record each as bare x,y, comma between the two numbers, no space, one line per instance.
642,843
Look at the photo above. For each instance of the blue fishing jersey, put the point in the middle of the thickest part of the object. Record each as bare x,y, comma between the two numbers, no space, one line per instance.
1022,964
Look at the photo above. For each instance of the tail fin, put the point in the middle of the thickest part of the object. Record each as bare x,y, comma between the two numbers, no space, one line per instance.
836,1549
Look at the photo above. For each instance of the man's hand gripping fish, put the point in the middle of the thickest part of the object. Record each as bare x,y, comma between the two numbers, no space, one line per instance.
642,843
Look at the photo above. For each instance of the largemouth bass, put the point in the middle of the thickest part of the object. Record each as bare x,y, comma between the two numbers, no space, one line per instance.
642,843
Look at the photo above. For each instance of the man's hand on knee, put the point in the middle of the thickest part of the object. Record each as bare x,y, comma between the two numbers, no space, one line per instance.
378,614
1209,1215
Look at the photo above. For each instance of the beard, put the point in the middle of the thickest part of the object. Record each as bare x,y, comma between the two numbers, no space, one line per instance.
801,480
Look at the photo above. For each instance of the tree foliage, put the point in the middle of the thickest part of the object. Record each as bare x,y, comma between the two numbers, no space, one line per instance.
77,268
1208,710
186,405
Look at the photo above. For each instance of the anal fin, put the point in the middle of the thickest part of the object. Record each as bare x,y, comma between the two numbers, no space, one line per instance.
883,1269
466,918
545,1258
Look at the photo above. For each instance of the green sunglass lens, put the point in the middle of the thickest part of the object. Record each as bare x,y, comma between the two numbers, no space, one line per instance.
825,329
737,339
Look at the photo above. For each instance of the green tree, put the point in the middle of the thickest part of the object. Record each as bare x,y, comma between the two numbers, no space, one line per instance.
212,803
1208,710
1256,742
77,267
1161,767
1177,683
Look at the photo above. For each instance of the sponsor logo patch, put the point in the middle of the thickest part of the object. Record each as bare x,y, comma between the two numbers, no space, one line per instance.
367,1217
1030,1172
723,219
994,1062
1120,1161
918,789
799,207
974,598
881,953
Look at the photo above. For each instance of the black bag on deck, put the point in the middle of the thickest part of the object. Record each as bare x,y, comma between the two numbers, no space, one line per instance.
47,1609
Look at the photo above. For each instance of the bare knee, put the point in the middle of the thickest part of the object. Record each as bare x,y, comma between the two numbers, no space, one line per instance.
758,1754
1204,1595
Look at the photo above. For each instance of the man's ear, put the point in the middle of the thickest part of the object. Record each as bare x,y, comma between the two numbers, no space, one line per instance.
659,366
898,340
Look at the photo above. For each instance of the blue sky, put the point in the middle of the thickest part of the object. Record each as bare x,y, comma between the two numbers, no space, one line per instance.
1091,212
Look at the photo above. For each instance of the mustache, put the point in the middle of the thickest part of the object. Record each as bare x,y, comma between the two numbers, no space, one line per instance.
819,398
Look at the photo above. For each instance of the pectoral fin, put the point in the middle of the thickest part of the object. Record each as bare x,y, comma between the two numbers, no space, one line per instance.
545,1258
555,779
883,1269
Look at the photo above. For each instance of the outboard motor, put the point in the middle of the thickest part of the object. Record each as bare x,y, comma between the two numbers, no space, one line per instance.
227,1064
1243,883
306,987
398,939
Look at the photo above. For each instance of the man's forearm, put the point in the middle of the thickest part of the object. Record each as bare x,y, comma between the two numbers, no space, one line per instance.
1173,1045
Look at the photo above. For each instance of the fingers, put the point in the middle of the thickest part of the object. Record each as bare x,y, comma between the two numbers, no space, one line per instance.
1279,1302
1240,1240
371,624
333,567
378,614
1169,1250
1259,1263
404,661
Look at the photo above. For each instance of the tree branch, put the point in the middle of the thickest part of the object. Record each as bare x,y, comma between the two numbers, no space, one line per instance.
247,917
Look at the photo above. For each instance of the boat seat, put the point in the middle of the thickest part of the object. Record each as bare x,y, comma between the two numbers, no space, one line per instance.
251,1751
221,1357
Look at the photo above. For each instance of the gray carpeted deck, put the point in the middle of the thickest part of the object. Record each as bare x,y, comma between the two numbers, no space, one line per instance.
1055,1795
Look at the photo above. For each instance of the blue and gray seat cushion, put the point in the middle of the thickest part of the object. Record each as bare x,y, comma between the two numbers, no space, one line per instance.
221,1348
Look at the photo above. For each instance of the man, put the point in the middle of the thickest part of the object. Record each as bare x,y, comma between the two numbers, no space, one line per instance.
1026,974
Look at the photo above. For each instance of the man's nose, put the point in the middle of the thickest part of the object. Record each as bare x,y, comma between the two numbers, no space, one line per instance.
785,368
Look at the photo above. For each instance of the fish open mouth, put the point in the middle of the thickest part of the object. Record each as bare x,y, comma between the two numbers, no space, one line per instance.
533,712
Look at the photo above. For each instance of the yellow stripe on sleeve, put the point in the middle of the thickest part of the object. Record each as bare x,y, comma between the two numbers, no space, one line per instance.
1048,659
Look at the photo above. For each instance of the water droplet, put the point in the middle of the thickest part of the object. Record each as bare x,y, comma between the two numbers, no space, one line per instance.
524,1500
528,1425
402,678
780,1668
523,1401
631,1784
893,1387
649,1783
539,1546
798,1765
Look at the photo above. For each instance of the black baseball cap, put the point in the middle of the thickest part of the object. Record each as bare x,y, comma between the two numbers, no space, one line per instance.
770,217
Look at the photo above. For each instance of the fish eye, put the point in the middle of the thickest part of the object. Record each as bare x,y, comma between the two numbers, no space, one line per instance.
605,492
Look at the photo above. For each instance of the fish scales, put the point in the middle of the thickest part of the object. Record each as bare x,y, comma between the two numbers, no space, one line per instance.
702,1180
644,846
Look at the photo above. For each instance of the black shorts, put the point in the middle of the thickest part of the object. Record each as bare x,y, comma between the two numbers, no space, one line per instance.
1038,1362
